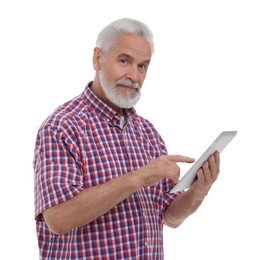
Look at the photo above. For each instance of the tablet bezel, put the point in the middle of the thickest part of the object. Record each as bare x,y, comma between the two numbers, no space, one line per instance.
218,145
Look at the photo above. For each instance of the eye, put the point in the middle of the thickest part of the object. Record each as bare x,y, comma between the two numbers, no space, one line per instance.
124,61
141,66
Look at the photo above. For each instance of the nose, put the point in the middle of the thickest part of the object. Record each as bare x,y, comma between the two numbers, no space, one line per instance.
133,74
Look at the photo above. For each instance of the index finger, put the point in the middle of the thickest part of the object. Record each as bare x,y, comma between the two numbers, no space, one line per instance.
180,158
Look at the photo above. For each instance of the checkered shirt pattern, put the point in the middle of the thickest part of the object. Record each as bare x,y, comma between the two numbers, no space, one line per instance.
82,145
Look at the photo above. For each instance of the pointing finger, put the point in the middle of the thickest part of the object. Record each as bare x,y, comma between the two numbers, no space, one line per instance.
180,158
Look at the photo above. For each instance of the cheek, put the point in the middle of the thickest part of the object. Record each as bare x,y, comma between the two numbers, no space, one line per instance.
115,73
142,78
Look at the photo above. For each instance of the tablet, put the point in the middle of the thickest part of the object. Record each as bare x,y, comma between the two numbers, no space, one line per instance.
218,145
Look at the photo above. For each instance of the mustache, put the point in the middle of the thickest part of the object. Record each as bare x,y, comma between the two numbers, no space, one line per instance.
127,83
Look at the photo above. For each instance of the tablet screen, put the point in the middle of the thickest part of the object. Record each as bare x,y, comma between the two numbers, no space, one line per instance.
218,145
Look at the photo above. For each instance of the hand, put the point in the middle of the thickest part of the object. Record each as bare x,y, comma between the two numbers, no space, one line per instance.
207,174
163,167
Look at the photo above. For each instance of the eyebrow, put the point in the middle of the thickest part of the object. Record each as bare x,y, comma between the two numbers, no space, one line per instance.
125,55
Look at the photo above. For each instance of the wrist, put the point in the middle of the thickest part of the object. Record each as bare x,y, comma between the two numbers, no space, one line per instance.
136,180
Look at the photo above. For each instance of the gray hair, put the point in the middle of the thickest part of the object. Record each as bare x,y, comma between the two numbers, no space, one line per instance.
107,37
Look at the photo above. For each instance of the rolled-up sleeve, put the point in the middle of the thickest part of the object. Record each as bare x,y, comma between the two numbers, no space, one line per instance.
57,173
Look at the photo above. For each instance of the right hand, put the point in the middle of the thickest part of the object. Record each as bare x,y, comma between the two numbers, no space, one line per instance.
163,167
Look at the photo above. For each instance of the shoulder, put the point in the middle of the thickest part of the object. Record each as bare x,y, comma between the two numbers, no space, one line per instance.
66,114
65,124
146,127
143,122
148,132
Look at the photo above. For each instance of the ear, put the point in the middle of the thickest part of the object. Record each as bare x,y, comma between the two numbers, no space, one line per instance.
97,59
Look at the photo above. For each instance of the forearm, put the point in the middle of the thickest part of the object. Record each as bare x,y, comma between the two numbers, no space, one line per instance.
91,203
182,207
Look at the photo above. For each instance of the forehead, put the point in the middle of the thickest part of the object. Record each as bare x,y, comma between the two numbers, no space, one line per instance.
133,45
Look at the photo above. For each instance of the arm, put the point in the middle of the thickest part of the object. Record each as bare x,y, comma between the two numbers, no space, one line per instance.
188,202
96,201
90,203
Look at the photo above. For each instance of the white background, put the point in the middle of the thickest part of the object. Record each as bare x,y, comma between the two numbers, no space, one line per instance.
209,73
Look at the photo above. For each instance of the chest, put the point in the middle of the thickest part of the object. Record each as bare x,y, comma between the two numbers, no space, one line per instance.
109,151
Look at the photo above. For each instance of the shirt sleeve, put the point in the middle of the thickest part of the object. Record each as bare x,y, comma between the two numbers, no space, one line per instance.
168,197
57,170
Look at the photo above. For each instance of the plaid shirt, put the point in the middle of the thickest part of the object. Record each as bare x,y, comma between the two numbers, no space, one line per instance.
82,145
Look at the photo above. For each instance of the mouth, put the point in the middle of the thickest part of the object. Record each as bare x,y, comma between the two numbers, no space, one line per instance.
132,87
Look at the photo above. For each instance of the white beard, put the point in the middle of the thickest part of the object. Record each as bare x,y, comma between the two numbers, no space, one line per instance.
111,92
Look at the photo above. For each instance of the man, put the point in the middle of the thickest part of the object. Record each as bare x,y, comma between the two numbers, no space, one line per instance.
102,172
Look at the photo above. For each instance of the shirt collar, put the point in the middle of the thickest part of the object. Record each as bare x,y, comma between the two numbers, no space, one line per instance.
102,109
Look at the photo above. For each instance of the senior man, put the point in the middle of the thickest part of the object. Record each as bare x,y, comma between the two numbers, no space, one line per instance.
102,172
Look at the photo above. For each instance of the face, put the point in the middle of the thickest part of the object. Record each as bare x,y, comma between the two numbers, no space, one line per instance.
123,69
